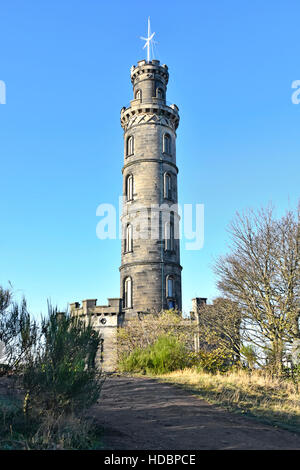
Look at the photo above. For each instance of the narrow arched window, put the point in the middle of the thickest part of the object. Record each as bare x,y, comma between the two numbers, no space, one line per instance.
169,236
130,146
129,188
170,286
127,293
167,144
128,238
160,93
167,186
138,94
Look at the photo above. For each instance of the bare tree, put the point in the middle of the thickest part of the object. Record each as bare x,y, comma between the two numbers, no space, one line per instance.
261,274
220,326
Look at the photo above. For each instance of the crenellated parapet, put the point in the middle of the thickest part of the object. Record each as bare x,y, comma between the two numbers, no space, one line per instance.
149,113
143,67
90,307
149,77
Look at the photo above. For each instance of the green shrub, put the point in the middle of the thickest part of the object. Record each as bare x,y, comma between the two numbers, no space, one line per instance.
61,375
55,364
165,355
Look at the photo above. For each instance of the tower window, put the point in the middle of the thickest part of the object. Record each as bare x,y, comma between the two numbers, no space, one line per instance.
160,93
170,286
127,297
130,146
128,238
138,94
167,144
167,186
129,188
169,236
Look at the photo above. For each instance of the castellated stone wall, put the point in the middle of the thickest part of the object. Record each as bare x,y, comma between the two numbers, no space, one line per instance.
105,319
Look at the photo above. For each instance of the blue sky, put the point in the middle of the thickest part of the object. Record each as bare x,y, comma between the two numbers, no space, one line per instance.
66,65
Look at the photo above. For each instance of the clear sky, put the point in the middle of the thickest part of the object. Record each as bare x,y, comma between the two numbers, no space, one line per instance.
66,65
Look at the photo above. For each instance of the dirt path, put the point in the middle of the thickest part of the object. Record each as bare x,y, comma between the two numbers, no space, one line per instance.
141,413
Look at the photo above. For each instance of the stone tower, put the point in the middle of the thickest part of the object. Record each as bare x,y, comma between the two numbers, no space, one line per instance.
150,271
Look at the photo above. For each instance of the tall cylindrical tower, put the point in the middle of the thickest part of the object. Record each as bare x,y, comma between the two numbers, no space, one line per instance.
150,262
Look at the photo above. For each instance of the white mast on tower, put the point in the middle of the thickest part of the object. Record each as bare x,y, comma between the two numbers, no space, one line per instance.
149,40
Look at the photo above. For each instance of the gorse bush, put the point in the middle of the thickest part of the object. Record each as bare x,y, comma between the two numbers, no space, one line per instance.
54,364
166,354
61,374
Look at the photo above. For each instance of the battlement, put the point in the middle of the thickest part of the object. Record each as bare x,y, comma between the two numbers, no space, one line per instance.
144,67
89,306
135,113
149,80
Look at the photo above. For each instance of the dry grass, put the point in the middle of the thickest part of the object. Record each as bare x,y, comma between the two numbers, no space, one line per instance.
272,400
